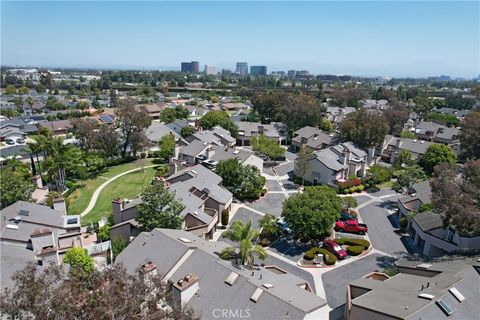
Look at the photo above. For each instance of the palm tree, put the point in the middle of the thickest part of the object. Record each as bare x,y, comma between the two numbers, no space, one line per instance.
245,235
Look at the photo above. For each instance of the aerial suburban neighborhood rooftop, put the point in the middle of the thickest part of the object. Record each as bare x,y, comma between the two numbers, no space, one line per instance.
238,190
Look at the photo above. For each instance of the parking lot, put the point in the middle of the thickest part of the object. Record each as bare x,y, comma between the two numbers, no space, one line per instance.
270,203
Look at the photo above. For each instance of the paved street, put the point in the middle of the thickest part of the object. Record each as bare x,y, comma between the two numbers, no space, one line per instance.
244,215
284,169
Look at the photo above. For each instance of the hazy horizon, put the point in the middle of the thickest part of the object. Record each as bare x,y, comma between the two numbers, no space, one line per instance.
399,39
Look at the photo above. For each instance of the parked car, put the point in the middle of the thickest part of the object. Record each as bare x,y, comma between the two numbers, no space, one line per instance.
9,141
335,248
345,216
283,226
351,226
20,140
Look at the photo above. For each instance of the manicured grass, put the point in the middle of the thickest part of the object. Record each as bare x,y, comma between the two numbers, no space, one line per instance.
127,186
386,185
79,199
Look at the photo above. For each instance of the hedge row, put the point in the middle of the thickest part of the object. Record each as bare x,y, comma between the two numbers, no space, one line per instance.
328,257
354,242
359,188
354,250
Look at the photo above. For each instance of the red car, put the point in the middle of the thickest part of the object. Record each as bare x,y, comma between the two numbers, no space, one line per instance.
351,226
335,248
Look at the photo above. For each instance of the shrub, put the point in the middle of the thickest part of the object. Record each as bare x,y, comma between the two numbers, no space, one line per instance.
354,250
104,233
225,215
365,244
360,188
328,257
403,222
352,189
265,242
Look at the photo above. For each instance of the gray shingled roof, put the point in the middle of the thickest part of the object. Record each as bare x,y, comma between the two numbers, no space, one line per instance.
428,221
314,136
285,299
413,145
330,159
158,130
251,128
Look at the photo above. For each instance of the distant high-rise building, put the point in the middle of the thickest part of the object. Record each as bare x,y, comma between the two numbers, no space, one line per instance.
291,73
242,68
209,69
226,71
258,70
190,67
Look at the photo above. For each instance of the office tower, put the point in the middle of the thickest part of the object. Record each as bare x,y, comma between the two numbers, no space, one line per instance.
258,70
209,69
292,73
242,68
190,67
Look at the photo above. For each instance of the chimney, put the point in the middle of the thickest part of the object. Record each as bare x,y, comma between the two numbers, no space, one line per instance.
176,153
147,271
344,157
210,152
399,143
184,289
261,130
37,181
371,152
59,204
117,206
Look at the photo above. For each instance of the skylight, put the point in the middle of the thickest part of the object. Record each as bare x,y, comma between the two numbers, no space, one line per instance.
457,294
445,307
258,292
231,278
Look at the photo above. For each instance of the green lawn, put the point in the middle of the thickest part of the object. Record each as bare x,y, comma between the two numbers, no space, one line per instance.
79,199
386,185
127,186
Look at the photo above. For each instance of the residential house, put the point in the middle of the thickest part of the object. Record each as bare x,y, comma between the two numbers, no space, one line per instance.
58,127
197,188
432,238
420,193
393,146
37,233
153,110
420,290
234,106
311,138
333,164
197,111
177,125
25,126
275,131
201,281
375,104
157,130
431,131
336,114
460,114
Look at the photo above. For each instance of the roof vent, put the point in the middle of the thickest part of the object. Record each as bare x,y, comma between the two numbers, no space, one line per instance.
258,292
268,285
231,278
24,212
195,213
426,296
457,294
185,240
236,152
12,226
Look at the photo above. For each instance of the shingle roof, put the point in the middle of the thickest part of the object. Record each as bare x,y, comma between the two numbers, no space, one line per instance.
158,130
284,299
413,145
428,222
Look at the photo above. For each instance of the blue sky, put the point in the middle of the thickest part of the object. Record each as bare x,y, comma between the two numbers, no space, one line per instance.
365,38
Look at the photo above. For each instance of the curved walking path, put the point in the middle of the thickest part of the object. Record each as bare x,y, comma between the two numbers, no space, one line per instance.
95,195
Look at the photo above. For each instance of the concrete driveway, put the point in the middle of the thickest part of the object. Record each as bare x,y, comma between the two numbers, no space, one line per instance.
244,215
285,168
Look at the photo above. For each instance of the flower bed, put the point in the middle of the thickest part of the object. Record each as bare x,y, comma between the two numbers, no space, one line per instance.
328,257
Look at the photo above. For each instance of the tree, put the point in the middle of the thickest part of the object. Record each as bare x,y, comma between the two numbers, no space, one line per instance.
455,197
302,163
104,233
267,147
79,261
349,202
326,125
15,183
364,129
118,245
167,146
10,89
396,118
52,293
470,136
218,118
171,114
243,181
408,177
131,121
404,159
159,209
187,131
436,154
311,214
244,235
377,174
268,223
23,90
